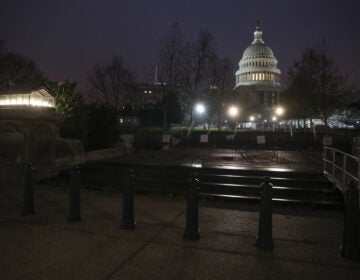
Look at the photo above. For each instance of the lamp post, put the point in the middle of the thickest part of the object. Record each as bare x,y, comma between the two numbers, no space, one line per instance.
274,118
233,113
279,111
200,110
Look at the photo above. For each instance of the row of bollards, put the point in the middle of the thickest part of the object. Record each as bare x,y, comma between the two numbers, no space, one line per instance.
349,248
74,201
192,214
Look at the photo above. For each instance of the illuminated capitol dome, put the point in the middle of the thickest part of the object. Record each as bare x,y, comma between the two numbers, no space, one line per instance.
258,79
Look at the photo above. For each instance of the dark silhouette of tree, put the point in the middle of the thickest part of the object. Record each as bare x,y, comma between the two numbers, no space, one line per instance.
71,105
198,58
103,127
171,66
175,113
315,85
16,69
113,82
2,49
171,56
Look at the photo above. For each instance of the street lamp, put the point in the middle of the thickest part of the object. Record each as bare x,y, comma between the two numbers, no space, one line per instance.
200,108
279,111
233,112
252,118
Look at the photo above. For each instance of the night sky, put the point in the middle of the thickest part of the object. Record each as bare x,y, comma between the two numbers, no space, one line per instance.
65,38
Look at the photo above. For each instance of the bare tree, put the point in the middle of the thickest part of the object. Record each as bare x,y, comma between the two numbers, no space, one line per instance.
18,70
197,61
221,84
171,56
112,82
315,85
171,62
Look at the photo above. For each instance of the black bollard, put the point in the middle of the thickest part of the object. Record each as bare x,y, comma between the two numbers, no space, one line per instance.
28,205
264,239
74,202
350,246
127,221
192,214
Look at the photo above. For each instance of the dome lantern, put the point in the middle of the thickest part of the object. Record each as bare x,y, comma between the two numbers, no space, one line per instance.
258,35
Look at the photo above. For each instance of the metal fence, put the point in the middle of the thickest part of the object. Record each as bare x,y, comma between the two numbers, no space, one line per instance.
341,168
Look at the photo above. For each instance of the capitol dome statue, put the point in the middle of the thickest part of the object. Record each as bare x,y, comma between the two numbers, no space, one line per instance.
258,79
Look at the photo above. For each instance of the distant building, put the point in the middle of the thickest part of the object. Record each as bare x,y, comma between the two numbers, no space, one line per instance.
146,97
150,94
258,88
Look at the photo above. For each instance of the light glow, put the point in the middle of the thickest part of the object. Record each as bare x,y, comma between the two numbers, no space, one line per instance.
279,111
233,111
200,108
33,99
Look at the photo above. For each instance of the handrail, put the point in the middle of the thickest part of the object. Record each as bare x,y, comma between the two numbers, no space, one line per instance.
341,168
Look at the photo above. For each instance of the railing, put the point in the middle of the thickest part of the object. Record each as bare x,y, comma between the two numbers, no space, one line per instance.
341,168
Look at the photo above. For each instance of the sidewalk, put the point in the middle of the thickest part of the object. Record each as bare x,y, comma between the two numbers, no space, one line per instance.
46,246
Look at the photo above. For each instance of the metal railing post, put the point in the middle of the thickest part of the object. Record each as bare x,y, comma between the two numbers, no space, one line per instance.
333,163
192,214
324,159
264,239
28,204
350,246
74,201
344,166
358,173
128,222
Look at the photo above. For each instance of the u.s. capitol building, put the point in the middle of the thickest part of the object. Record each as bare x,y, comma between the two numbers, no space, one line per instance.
258,87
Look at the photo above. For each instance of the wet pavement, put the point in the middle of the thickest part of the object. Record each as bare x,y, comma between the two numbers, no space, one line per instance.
46,246
302,161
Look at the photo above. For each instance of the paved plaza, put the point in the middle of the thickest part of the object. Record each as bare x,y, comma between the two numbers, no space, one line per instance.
46,246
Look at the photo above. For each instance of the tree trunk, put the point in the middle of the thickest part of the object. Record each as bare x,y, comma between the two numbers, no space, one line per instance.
191,114
219,121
